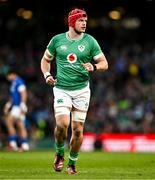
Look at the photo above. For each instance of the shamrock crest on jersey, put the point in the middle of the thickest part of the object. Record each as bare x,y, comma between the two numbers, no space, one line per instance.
81,48
71,58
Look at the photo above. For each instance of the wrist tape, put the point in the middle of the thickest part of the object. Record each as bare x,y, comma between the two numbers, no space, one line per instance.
94,67
47,74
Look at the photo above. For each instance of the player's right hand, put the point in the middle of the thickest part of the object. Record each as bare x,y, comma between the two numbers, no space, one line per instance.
7,107
50,80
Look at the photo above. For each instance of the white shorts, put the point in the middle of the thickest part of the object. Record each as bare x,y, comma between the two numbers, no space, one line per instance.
17,113
78,99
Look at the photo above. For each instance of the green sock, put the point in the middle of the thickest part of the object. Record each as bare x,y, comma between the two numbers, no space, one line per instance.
73,156
60,149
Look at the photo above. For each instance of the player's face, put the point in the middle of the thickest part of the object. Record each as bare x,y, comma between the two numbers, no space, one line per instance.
10,77
80,25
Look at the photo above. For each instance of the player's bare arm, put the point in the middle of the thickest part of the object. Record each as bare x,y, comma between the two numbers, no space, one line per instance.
100,65
23,105
45,67
7,107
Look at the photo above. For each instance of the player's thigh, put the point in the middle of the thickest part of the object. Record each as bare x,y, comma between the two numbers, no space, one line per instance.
78,116
20,124
16,113
61,98
62,107
81,100
9,120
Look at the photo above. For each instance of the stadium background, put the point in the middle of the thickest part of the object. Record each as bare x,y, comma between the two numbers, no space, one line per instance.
123,99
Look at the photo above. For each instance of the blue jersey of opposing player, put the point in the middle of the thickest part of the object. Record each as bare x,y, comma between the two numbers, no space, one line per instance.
16,87
15,110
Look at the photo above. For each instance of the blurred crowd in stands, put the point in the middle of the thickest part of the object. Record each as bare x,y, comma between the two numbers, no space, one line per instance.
123,98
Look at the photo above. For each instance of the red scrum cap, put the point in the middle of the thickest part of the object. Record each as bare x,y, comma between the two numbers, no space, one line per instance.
74,15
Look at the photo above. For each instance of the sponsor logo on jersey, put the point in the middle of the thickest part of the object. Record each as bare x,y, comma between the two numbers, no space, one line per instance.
71,58
63,47
81,48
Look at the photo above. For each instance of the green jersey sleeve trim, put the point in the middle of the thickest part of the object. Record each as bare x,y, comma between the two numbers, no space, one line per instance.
98,56
52,57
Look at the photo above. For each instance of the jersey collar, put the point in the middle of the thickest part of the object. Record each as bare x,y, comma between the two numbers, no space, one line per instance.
67,36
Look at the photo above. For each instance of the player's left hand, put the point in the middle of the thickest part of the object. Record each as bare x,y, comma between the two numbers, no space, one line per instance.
23,107
88,67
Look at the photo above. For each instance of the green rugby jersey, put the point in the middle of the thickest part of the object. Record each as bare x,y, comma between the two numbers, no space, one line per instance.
70,55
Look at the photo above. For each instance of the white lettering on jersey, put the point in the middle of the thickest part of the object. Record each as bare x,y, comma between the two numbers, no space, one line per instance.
63,47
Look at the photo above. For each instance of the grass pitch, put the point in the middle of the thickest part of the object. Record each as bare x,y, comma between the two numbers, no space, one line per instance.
91,165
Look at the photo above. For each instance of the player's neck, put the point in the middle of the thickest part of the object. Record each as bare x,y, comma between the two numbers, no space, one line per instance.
73,35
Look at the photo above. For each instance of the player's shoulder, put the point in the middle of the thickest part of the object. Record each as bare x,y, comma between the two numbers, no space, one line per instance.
88,36
20,80
58,36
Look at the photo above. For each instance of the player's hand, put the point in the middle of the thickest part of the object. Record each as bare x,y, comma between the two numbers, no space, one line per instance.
23,107
88,67
7,107
50,80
